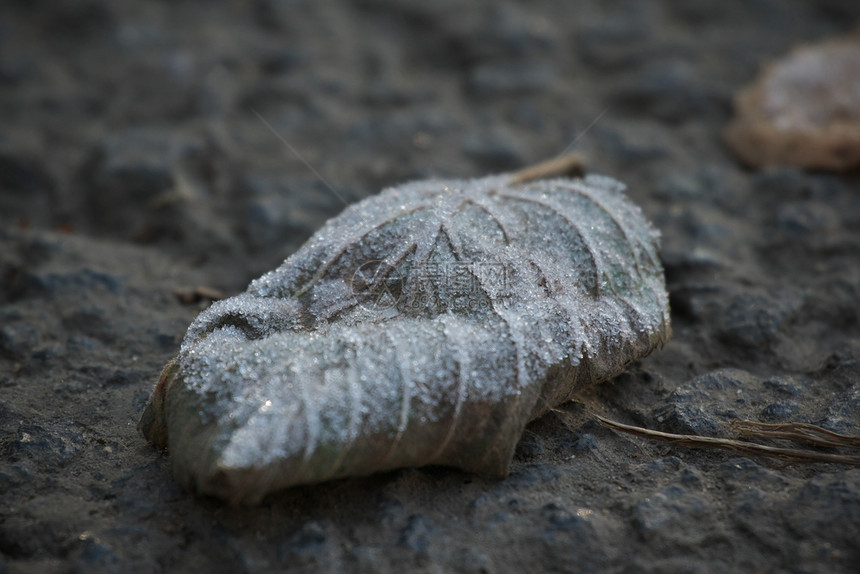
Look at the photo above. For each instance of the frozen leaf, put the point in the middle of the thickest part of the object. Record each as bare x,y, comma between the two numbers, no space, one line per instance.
803,111
425,325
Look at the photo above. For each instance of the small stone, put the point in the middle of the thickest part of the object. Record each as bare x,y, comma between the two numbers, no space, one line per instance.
687,419
780,411
788,385
700,405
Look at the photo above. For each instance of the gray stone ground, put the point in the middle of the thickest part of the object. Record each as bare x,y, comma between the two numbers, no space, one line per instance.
133,164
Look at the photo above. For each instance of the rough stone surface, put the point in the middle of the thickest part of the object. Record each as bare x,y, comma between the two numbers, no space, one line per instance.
762,270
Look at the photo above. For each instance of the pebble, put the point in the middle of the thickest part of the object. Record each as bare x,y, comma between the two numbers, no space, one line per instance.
788,385
783,411
701,404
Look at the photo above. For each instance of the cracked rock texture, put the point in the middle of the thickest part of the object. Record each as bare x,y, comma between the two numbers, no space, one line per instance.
134,164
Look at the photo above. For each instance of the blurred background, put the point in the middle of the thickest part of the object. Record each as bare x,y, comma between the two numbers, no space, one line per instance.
141,121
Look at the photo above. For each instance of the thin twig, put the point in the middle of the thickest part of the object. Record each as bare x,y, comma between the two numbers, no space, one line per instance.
570,165
797,432
695,441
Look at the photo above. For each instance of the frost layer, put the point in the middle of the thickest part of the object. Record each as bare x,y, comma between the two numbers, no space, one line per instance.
425,325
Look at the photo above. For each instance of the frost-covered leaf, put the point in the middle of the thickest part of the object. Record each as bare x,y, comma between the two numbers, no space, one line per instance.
425,325
803,110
